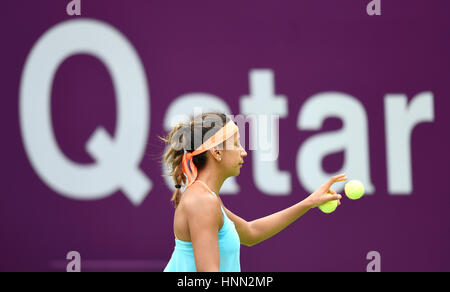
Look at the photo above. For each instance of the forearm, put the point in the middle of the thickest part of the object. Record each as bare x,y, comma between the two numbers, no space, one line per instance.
266,227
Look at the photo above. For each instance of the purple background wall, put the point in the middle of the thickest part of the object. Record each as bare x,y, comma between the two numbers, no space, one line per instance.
210,46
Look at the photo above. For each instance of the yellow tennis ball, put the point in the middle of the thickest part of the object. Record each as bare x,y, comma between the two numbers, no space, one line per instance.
329,207
354,189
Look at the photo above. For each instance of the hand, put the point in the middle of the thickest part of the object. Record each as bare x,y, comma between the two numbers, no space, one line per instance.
324,194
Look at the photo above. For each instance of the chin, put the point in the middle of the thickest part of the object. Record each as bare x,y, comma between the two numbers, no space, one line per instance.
235,173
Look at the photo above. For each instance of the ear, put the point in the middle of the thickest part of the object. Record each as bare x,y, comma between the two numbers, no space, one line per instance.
216,153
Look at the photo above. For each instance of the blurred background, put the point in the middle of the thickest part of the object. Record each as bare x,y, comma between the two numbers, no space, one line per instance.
84,98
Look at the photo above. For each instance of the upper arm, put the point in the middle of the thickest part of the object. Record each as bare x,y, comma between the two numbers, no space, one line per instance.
204,219
243,228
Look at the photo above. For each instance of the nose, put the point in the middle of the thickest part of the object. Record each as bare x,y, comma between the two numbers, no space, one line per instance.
244,153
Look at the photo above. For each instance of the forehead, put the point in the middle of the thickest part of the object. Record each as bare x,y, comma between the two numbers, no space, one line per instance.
233,139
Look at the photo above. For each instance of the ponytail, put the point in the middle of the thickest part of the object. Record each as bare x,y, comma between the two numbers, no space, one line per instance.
173,158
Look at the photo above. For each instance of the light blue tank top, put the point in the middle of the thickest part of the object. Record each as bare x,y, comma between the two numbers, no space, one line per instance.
183,260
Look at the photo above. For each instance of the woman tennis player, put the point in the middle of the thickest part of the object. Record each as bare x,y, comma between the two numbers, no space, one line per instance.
202,155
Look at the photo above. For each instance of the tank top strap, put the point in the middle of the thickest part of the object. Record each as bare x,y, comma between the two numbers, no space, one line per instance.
213,193
206,186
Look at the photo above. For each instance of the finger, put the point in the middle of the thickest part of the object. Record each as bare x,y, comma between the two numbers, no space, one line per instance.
335,197
339,202
340,177
336,178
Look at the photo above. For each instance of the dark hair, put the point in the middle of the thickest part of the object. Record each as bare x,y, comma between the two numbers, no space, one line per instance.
186,137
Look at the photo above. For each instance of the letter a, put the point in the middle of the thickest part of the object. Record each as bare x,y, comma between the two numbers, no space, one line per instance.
375,264
374,8
74,8
75,264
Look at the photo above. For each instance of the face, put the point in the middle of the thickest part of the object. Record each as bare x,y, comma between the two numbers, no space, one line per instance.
233,155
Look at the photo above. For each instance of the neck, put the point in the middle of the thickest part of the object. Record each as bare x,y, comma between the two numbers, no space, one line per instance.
212,179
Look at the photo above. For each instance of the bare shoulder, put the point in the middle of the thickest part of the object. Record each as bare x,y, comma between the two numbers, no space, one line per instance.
197,201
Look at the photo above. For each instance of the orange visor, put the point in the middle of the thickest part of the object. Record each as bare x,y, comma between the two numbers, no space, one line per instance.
222,135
